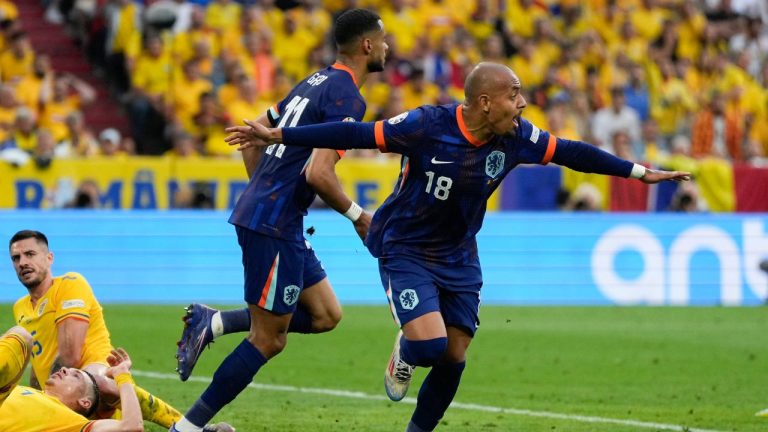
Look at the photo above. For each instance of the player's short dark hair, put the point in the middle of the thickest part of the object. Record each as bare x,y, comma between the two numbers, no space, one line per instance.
27,234
354,23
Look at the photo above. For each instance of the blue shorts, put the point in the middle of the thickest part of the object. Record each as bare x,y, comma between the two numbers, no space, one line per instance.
415,288
276,270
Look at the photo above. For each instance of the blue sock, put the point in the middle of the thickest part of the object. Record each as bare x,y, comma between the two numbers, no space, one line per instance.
233,375
436,394
236,321
301,321
423,353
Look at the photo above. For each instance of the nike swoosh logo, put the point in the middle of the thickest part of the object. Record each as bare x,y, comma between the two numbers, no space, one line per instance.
439,162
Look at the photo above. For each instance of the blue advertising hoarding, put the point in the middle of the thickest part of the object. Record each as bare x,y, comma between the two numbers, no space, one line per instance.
527,258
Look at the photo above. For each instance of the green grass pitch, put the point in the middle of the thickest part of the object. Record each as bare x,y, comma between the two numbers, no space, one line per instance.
553,368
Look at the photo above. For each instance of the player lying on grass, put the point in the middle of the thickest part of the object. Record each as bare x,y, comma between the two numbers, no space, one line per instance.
454,158
69,397
67,324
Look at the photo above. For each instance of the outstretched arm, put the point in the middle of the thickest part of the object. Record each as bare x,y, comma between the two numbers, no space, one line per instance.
587,158
336,135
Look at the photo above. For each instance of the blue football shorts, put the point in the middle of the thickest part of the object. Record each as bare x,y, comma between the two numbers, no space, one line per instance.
415,287
276,270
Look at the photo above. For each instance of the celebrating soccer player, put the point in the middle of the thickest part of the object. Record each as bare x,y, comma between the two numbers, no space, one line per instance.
454,157
286,288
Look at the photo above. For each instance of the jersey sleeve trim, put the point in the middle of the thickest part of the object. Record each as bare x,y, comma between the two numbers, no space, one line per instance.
88,426
21,342
378,133
273,114
75,315
341,153
551,145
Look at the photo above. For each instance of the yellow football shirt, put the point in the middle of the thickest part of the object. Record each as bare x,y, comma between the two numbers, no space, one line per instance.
30,410
70,297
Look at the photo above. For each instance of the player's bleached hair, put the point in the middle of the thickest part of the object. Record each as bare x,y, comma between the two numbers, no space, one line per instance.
353,24
27,234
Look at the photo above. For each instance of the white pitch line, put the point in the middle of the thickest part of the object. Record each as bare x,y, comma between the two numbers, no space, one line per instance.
459,405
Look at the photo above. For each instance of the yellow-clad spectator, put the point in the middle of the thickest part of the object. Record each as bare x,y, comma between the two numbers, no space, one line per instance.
221,14
574,23
690,30
80,140
274,16
210,122
481,22
673,103
248,104
403,24
492,49
24,135
440,17
593,51
522,14
123,40
466,51
376,93
313,17
546,42
648,18
8,10
184,146
417,91
632,45
233,38
571,73
69,94
292,47
31,90
183,45
186,91
529,67
607,22
16,61
151,72
227,92
8,106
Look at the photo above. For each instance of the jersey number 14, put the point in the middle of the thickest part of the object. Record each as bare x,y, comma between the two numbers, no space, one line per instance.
293,112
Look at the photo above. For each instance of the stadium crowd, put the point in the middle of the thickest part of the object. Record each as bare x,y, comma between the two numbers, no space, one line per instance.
662,81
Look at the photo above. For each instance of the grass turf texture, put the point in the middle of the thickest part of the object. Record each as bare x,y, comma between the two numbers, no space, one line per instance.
694,367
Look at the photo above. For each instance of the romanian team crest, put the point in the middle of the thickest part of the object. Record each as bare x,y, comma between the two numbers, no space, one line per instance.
398,118
41,308
409,299
494,163
290,294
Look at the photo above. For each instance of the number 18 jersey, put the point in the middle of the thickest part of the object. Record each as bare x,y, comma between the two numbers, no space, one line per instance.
277,197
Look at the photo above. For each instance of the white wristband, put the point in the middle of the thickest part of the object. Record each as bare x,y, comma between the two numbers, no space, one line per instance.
638,171
354,212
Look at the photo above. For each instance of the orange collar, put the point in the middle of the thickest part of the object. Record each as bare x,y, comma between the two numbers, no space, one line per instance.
345,68
464,131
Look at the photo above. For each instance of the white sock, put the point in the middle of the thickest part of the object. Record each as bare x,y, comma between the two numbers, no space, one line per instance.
217,326
184,425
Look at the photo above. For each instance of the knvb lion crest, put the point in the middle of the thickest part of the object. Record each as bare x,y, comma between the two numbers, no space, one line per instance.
409,299
494,163
290,294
